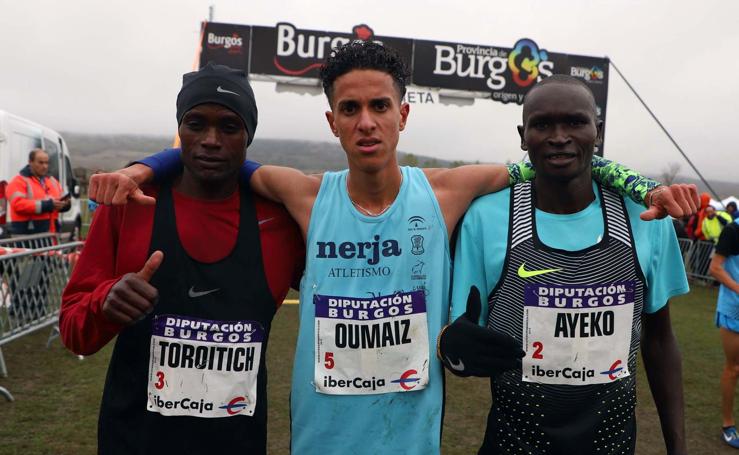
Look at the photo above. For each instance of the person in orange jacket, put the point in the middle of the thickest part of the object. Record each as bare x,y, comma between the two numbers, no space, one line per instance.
694,228
35,198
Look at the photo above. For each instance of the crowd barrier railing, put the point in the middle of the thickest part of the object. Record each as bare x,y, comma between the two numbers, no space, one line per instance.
697,256
31,285
33,241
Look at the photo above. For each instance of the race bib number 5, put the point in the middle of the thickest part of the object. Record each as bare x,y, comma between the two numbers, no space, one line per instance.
577,334
203,368
370,346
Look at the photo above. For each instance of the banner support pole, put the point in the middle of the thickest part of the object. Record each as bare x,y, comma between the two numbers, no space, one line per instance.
667,133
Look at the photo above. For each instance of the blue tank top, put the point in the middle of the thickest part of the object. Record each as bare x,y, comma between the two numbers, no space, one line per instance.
369,286
728,300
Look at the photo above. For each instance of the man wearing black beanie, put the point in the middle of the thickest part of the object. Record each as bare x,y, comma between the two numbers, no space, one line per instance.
187,374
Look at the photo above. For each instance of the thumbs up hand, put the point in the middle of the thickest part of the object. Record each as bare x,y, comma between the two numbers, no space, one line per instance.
467,349
132,297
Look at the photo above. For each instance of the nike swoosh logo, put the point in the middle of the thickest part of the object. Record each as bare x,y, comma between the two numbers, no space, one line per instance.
223,90
261,222
523,273
194,294
459,366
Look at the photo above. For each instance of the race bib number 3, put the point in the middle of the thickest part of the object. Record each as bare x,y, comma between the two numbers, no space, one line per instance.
577,334
370,346
204,368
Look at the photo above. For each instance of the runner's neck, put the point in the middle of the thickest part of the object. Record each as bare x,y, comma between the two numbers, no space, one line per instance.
564,196
373,193
189,185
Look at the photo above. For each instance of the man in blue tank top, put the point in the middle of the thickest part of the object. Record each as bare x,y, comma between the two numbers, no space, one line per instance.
573,282
376,285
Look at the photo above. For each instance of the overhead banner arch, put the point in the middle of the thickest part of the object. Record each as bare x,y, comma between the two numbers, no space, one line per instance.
287,54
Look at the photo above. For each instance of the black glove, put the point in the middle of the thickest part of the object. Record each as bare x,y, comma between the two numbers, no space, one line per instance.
467,349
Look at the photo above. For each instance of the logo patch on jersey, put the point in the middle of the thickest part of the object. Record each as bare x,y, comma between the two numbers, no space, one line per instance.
523,273
235,406
371,251
417,241
406,381
418,223
417,271
613,372
195,294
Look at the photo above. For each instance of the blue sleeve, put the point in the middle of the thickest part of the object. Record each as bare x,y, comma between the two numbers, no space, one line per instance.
665,273
165,164
480,251
247,169
469,267
168,163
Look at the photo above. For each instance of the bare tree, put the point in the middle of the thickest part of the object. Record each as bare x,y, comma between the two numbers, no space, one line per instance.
667,177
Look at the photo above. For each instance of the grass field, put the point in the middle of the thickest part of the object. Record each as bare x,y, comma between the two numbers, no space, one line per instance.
57,395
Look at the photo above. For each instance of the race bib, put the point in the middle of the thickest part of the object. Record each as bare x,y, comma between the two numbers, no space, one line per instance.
577,334
203,368
370,346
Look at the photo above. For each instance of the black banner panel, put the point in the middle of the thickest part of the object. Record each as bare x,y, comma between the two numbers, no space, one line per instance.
285,50
226,44
504,74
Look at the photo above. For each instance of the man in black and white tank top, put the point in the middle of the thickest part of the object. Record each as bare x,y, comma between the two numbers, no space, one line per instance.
575,283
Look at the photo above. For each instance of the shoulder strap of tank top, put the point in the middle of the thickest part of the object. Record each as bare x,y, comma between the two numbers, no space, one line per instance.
521,213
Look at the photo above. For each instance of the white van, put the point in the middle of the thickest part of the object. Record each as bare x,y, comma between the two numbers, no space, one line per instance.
18,137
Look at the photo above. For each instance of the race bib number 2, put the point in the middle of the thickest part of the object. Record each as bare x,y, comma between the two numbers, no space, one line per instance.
203,368
371,346
577,334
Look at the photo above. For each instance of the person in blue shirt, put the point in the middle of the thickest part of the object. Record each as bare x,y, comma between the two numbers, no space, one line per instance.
731,210
725,268
572,283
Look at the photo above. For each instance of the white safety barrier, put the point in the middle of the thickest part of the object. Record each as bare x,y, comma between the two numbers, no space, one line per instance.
697,256
31,285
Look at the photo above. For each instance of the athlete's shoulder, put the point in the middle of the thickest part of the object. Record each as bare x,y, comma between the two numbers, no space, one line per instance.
272,216
497,202
653,235
635,209
488,214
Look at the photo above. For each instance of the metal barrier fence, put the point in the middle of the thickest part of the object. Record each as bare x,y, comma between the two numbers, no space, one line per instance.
34,241
697,257
31,285
685,245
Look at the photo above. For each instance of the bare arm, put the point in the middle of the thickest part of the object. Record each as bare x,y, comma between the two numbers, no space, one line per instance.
663,365
716,269
290,187
456,188
676,200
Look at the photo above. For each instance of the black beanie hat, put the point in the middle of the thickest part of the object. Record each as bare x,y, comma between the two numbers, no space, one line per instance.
222,85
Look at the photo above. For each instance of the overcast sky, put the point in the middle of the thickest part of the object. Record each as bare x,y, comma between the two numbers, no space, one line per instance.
115,67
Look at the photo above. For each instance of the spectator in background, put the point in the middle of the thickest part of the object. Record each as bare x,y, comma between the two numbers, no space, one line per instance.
731,210
714,222
725,268
694,228
35,198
